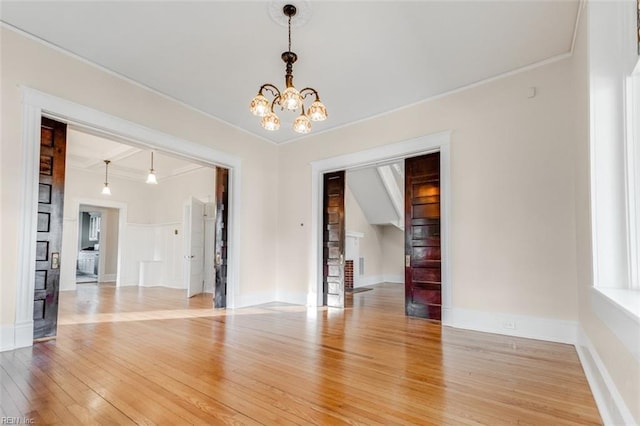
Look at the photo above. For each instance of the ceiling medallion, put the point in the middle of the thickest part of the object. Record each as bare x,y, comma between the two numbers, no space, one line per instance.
290,99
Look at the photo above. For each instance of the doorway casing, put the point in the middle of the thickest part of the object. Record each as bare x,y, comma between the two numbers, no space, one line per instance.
35,105
383,154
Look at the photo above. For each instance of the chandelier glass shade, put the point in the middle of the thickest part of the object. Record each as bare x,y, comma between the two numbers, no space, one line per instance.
290,98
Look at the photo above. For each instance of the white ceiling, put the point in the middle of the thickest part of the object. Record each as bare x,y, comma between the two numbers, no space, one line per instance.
364,58
87,152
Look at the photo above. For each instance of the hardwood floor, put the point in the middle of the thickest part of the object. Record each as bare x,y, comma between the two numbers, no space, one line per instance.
151,356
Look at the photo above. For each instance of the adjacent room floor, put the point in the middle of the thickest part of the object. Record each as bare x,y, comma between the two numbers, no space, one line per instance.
151,356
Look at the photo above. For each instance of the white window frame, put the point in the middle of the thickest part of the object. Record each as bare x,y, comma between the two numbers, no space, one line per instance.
632,164
614,100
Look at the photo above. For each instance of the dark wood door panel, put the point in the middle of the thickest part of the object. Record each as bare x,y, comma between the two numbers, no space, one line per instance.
333,241
421,255
427,295
53,138
421,275
426,211
222,220
423,295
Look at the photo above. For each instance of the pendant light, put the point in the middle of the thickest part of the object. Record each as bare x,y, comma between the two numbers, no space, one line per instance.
151,177
106,190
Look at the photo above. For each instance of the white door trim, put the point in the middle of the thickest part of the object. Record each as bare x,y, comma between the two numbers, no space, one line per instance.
383,154
35,105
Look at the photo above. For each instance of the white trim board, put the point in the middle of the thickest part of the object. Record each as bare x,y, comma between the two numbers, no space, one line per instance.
395,279
621,322
35,105
108,278
254,299
550,330
367,280
292,297
382,154
379,279
7,337
611,406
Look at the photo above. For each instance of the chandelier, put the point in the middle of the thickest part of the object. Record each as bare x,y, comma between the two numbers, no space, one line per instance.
290,99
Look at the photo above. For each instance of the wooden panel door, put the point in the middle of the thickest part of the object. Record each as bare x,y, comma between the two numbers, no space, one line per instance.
333,241
53,139
423,295
222,218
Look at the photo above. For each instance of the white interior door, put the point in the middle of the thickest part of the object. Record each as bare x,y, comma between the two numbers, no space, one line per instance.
194,258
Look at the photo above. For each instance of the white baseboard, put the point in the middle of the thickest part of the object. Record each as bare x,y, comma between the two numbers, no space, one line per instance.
612,408
396,279
293,297
252,299
108,278
368,280
7,337
512,325
179,286
68,286
16,336
378,279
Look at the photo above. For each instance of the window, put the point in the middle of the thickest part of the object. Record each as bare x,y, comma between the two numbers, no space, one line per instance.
94,226
614,97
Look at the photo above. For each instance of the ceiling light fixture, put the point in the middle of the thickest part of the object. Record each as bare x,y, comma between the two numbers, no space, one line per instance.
151,177
290,98
106,190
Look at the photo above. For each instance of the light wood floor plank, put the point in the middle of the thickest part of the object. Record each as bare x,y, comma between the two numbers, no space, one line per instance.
151,356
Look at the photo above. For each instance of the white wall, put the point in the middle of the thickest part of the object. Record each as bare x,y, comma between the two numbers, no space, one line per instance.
26,62
513,237
170,195
154,214
370,244
392,243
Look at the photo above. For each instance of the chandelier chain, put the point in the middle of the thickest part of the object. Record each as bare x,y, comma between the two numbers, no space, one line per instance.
289,33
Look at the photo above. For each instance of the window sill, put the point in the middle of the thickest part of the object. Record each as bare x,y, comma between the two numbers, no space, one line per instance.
619,309
627,300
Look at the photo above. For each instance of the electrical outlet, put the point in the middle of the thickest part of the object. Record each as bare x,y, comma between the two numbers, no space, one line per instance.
509,324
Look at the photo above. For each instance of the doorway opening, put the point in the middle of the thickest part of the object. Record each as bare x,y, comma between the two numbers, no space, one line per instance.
154,247
374,219
98,245
89,247
385,155
38,104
